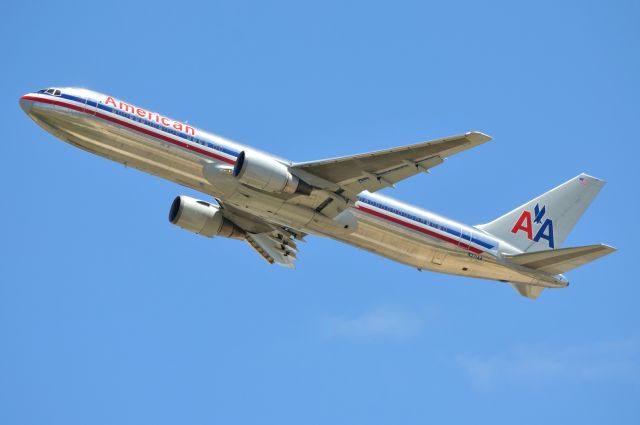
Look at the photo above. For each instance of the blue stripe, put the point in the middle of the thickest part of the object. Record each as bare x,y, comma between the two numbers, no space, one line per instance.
74,98
482,243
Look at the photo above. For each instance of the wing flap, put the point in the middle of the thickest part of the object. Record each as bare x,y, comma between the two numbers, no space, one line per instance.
275,247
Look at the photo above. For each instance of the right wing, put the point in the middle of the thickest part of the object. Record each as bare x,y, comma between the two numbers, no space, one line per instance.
373,171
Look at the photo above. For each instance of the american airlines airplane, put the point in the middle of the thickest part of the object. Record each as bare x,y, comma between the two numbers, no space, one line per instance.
272,203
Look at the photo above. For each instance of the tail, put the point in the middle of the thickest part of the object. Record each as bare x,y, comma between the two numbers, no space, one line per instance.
545,222
555,262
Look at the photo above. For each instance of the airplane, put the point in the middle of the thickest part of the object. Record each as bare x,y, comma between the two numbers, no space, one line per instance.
273,203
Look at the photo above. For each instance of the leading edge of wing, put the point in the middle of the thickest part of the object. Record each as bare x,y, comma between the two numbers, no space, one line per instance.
473,138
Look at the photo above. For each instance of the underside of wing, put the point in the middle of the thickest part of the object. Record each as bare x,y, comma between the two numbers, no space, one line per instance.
376,170
275,247
274,243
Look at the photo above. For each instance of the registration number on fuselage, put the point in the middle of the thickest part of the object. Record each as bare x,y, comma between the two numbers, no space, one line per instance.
475,256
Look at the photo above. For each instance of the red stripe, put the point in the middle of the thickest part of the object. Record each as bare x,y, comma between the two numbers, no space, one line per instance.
133,127
420,229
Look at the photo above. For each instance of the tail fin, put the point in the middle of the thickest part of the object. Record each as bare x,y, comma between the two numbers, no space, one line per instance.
545,222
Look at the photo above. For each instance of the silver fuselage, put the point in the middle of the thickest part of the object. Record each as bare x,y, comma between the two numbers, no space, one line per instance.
178,152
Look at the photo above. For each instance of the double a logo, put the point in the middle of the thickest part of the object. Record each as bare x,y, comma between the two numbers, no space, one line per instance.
525,224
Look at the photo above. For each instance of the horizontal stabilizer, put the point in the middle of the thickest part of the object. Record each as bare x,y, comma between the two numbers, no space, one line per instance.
560,260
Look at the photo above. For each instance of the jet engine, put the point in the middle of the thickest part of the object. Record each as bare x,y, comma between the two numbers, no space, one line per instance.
202,218
265,173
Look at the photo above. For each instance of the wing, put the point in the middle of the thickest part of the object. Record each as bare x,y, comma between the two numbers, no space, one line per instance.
376,170
274,243
275,247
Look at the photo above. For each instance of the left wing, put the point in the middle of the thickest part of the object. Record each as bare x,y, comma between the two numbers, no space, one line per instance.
376,170
275,247
274,243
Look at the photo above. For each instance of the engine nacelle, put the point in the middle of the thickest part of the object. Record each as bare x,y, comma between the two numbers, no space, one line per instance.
202,218
265,173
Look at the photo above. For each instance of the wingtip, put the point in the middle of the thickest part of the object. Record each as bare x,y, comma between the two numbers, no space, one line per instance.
477,136
609,248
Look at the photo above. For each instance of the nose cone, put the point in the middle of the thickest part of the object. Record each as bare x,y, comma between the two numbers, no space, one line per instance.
26,104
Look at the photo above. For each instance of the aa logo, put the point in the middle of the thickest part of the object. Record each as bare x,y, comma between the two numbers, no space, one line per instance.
525,224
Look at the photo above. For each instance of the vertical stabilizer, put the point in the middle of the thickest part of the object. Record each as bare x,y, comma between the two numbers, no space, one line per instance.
545,222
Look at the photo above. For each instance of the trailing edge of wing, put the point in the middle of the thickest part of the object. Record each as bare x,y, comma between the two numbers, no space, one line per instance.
273,243
275,247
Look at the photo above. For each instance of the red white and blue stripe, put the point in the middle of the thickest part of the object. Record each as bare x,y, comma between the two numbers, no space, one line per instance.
462,237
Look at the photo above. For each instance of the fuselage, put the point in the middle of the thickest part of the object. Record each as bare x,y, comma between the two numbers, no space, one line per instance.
179,152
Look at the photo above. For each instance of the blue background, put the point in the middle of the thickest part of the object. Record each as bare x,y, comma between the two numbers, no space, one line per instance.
108,314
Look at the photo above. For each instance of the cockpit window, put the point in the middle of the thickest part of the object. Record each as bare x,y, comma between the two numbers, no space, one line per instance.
54,92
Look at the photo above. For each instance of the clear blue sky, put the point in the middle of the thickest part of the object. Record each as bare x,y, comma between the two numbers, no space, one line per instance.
110,315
